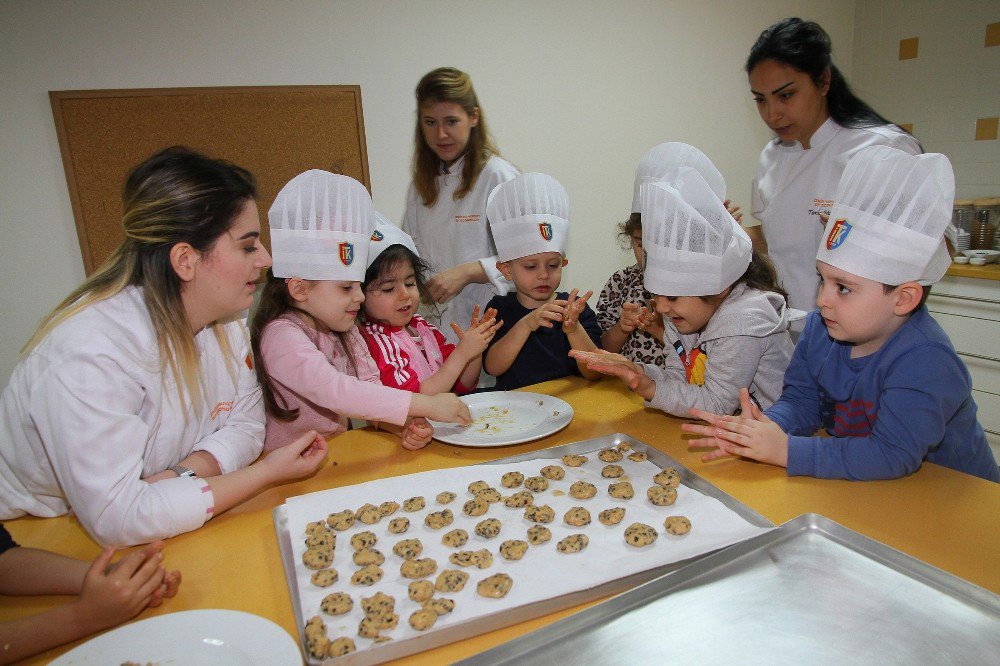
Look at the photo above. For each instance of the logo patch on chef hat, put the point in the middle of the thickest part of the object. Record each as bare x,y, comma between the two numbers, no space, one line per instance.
377,236
838,234
545,229
346,253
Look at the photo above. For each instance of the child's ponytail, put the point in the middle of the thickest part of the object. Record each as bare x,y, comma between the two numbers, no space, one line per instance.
760,275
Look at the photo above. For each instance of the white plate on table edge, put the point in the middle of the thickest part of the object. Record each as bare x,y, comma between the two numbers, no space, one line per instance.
549,414
191,637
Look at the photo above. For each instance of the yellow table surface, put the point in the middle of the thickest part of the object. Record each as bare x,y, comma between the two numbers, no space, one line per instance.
945,518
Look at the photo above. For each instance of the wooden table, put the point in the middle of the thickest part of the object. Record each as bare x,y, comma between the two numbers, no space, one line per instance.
948,519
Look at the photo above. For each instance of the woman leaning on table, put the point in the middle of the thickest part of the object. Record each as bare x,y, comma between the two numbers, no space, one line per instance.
135,404
819,124
455,167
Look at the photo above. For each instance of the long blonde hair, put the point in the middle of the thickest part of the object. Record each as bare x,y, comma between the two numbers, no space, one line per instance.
175,196
447,84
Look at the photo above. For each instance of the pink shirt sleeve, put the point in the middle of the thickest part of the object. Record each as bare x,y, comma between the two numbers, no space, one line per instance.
294,361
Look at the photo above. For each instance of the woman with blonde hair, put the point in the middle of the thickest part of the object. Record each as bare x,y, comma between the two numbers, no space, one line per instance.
455,167
135,404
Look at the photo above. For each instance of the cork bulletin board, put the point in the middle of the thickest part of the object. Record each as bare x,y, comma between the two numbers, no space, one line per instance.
276,132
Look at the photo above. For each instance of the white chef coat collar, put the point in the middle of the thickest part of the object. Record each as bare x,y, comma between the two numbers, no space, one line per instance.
822,136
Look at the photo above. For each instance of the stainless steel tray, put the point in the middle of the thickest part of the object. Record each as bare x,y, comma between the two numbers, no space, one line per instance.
811,591
463,630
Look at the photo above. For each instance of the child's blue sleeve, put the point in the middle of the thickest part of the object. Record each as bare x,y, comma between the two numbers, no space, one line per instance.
797,411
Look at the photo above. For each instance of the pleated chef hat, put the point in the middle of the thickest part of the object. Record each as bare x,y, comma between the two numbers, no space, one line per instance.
385,235
661,162
529,215
693,245
320,228
889,217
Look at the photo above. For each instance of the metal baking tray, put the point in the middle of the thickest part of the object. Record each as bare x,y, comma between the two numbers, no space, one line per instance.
811,591
475,626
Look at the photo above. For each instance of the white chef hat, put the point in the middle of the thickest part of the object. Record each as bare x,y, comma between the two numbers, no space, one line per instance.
320,228
889,217
385,235
693,245
661,162
528,215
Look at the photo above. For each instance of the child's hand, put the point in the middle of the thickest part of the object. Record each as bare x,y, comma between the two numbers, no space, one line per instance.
546,315
447,408
171,580
417,433
575,306
651,322
296,460
751,435
611,364
733,209
115,593
473,341
630,318
445,285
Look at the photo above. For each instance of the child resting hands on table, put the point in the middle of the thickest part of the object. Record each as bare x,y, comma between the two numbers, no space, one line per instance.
872,366
312,361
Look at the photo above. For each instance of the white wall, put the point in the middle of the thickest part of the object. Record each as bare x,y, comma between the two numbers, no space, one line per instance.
575,89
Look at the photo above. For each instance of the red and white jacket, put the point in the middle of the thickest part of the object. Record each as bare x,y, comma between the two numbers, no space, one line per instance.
401,361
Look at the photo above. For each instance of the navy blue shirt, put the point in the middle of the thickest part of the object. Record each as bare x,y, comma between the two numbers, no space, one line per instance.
545,354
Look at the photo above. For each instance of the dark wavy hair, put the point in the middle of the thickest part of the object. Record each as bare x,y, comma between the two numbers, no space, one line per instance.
393,256
760,275
805,46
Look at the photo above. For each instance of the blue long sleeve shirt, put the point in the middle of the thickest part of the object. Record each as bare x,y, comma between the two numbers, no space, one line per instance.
887,412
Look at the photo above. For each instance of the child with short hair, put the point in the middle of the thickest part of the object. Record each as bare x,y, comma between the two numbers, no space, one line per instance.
529,218
312,363
411,354
872,366
726,318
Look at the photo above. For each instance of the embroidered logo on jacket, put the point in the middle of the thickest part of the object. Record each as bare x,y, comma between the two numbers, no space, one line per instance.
838,234
377,235
545,229
226,406
346,253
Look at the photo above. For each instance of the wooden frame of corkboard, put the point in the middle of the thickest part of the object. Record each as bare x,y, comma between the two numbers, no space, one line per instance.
276,132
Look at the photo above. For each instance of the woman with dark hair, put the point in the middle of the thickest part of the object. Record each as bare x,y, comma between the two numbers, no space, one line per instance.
819,124
455,167
135,404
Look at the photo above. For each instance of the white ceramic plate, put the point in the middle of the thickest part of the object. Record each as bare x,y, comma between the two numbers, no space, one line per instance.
502,418
192,638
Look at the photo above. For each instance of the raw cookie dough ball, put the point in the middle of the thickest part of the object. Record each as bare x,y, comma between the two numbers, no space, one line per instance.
367,556
317,559
638,456
475,507
315,527
421,590
378,604
451,580
582,490
445,497
539,514
490,496
365,539
621,490
678,525
341,520
612,516
668,477
488,528
520,499
423,619
577,517
414,504
455,538
324,577
367,576
325,540
574,460
337,603
536,484
623,446
610,455
388,508
513,549
439,519
612,471
639,535
399,525
478,486
537,535
440,605
421,568
512,479
340,647
408,549
318,646
661,496
481,558
553,472
574,543
368,514
495,587
315,626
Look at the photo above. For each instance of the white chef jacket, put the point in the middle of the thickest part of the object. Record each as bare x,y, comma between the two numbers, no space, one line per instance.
453,232
793,186
89,412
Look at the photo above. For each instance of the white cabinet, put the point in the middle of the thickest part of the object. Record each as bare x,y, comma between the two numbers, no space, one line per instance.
968,309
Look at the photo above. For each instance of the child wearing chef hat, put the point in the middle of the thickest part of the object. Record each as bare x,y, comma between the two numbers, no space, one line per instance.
726,320
872,366
312,363
529,218
410,352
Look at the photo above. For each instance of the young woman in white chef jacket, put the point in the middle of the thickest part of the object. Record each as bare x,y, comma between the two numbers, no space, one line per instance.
455,167
819,124
135,404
